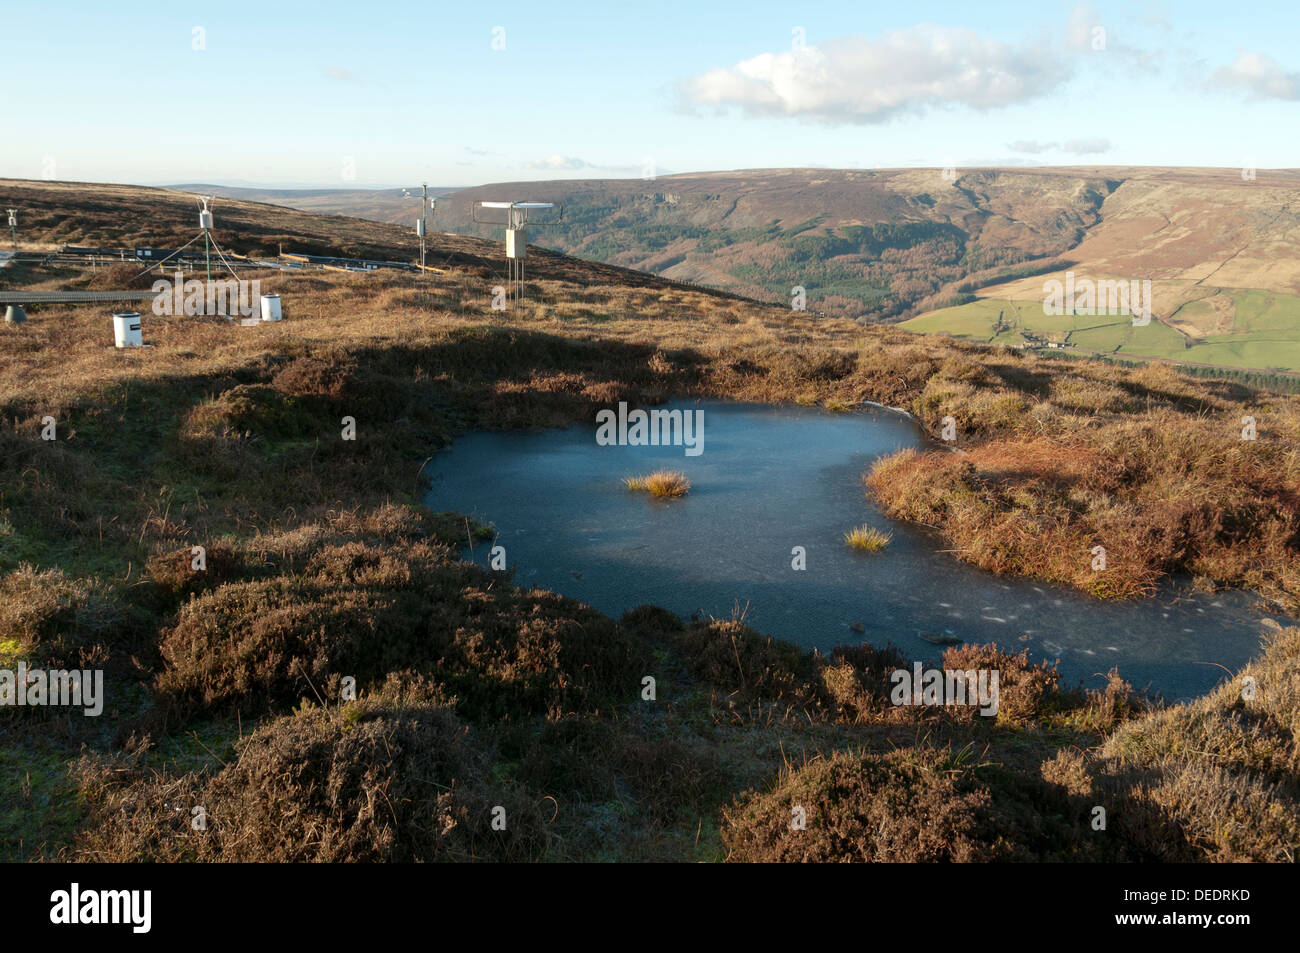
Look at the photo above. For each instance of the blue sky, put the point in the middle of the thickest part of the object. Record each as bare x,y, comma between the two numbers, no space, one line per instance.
379,94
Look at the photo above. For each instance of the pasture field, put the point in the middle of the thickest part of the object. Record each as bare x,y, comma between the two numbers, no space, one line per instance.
1248,329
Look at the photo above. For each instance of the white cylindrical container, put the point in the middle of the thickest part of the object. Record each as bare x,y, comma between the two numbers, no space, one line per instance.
419,227
205,220
270,307
126,329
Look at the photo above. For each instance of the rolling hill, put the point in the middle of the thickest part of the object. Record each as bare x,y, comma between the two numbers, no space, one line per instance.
55,214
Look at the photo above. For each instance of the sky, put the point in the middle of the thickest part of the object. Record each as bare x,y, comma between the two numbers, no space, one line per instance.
382,94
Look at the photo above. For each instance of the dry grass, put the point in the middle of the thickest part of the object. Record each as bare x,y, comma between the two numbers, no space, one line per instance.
867,539
1211,780
1165,491
664,484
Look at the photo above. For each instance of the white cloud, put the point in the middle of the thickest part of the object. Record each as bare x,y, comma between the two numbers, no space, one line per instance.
862,80
1087,147
1157,15
558,162
1031,146
1081,29
1258,76
1078,147
563,163
1086,34
342,74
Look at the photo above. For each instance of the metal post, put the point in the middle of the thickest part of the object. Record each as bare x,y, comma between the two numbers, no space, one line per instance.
205,223
516,222
424,216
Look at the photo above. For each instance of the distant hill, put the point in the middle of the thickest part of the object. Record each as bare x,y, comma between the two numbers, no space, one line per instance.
394,206
862,243
870,244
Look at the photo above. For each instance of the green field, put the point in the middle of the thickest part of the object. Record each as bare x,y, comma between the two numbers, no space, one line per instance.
1266,330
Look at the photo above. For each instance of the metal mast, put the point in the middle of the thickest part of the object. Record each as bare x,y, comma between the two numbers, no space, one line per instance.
205,223
424,223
